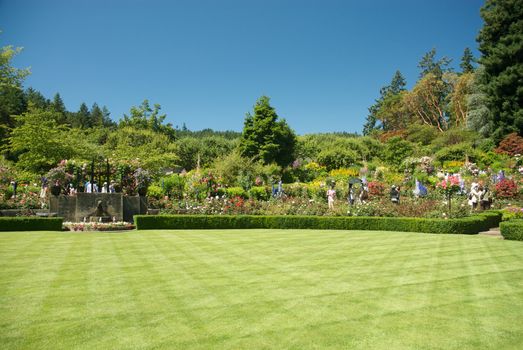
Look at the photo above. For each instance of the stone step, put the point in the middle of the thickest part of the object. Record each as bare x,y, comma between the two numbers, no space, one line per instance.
493,232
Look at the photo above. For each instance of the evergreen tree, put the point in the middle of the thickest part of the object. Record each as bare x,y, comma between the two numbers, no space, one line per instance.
466,61
58,106
396,86
428,64
97,116
266,138
107,121
82,118
36,99
144,117
501,43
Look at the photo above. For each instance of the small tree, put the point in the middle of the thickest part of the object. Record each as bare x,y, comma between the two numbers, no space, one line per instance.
448,187
266,138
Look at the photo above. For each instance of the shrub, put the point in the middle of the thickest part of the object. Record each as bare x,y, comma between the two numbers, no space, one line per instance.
155,191
376,189
337,158
30,223
512,230
506,188
493,218
512,144
470,225
173,185
259,193
236,192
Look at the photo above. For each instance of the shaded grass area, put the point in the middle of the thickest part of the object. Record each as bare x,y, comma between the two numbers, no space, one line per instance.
256,289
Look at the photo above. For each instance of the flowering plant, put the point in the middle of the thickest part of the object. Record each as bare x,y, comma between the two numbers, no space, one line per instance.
376,188
506,188
448,186
58,176
142,178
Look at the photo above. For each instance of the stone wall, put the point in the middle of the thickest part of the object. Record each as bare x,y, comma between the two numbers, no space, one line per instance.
84,205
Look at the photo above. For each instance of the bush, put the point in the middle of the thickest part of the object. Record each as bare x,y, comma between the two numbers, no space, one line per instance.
512,230
30,223
506,188
155,191
493,218
259,193
236,192
470,225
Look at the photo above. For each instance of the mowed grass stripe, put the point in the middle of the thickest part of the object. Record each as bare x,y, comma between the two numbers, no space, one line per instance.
260,289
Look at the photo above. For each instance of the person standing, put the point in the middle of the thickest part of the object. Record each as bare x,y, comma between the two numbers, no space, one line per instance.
394,195
351,194
331,195
474,195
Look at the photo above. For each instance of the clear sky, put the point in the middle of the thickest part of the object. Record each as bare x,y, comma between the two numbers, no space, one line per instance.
206,62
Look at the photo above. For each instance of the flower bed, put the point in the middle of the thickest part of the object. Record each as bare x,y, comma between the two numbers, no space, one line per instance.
98,226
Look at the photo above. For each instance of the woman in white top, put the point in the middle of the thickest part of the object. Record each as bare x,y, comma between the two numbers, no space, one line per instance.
474,195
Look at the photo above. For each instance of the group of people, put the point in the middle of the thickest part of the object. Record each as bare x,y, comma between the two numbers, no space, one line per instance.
93,187
479,195
360,194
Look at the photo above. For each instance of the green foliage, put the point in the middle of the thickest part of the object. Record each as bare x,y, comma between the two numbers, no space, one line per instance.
173,185
512,230
501,43
265,137
12,100
396,151
30,223
429,65
155,191
202,151
150,149
456,152
467,61
236,192
39,141
471,225
259,193
337,158
479,116
144,117
230,167
388,100
421,133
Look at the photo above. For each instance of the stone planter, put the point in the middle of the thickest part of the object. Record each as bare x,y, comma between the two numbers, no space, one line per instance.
55,190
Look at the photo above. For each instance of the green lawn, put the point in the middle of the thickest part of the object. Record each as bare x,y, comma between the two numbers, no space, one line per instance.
259,289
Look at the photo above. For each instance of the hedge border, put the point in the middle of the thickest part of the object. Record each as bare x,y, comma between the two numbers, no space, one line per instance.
30,223
469,225
512,230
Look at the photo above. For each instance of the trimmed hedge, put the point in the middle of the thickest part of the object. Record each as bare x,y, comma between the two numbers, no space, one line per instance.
470,225
512,230
30,223
494,217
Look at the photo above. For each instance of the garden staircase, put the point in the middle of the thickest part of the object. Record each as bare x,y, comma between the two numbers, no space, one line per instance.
493,232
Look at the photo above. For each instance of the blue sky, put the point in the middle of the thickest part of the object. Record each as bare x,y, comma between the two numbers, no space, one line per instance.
206,62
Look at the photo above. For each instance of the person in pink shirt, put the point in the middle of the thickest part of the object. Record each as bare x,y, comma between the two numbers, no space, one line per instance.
331,195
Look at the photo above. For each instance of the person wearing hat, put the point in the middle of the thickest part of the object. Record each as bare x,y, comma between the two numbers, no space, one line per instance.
474,195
